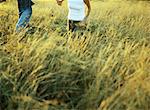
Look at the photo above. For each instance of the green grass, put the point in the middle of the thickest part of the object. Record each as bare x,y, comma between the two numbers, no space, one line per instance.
106,68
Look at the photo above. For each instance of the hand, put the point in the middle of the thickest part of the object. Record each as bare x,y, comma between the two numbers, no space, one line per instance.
2,1
84,21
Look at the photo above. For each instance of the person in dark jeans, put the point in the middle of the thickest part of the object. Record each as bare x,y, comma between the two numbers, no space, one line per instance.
25,13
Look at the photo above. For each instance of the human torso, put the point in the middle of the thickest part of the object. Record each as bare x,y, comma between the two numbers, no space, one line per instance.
76,10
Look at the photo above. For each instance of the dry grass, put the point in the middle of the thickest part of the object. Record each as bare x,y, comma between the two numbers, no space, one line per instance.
105,68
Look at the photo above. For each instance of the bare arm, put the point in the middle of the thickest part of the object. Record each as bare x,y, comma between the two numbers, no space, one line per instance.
87,2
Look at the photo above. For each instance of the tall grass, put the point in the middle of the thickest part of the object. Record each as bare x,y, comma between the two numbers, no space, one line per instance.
104,68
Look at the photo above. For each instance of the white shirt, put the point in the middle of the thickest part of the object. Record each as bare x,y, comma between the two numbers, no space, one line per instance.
76,10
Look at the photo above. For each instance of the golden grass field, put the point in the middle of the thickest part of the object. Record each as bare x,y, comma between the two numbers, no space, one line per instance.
107,67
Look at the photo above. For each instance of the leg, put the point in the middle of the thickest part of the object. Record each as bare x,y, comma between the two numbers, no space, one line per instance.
24,19
72,25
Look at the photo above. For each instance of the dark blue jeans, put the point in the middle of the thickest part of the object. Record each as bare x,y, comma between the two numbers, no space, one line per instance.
24,18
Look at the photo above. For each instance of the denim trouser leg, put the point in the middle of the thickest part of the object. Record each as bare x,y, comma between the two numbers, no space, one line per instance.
24,19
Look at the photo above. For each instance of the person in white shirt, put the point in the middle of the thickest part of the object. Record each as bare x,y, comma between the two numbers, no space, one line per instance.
77,12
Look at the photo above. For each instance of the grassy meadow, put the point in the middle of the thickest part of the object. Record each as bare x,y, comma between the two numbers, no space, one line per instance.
105,67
